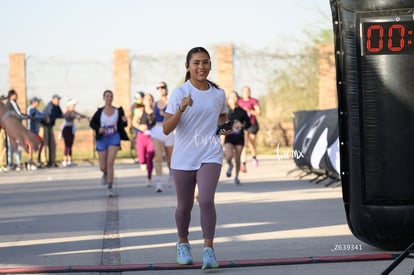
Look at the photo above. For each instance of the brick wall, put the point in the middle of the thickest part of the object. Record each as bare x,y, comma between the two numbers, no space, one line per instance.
17,78
225,77
327,78
122,78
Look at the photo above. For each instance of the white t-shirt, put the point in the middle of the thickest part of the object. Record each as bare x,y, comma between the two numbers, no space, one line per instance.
196,141
109,123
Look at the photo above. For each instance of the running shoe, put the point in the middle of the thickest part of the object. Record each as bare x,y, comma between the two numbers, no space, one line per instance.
184,256
243,168
209,259
158,186
110,193
229,169
104,179
170,181
149,183
236,181
255,162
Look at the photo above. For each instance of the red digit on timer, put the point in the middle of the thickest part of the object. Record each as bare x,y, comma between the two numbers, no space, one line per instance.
380,30
401,29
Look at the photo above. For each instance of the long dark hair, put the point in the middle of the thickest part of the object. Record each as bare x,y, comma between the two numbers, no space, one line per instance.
107,91
187,62
11,93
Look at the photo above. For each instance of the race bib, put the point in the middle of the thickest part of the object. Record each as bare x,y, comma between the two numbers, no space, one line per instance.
109,130
235,132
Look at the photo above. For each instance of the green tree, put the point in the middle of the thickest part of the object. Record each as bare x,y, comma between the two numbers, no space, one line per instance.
294,87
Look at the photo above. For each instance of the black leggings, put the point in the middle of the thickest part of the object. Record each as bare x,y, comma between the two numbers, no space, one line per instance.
68,138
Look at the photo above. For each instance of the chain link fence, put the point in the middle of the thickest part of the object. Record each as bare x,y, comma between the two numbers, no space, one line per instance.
85,80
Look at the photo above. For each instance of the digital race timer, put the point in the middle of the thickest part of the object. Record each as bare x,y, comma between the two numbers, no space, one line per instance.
387,35
388,38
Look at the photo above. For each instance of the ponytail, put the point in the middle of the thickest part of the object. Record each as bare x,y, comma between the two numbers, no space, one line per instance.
213,84
187,76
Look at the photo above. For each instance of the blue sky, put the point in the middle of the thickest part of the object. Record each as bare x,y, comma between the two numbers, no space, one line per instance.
94,28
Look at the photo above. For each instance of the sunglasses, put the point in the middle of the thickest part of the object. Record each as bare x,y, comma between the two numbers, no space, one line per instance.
161,87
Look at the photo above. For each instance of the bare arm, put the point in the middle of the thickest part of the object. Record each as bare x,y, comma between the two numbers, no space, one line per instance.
16,131
256,111
79,115
136,118
222,118
171,120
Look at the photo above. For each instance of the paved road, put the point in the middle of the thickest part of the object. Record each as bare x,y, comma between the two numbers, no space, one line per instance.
60,220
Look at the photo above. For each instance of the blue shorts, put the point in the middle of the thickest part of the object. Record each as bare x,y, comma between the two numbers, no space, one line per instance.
104,142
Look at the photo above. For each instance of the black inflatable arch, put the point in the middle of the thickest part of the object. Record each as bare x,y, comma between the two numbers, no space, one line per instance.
374,47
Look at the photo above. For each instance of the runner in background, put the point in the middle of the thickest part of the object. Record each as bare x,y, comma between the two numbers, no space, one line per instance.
108,122
234,142
143,122
162,142
252,107
136,110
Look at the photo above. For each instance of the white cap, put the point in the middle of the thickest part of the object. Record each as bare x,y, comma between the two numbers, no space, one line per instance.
71,102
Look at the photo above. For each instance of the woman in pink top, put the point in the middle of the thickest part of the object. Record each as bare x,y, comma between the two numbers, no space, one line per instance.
252,107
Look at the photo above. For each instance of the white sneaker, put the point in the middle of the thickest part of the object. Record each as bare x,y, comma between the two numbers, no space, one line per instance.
104,180
170,181
149,183
158,185
110,193
184,256
255,162
209,258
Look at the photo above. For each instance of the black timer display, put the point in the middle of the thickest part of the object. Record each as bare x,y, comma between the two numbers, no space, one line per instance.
374,58
388,37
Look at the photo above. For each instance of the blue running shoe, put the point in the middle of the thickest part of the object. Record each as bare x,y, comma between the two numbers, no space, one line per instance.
184,256
209,258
